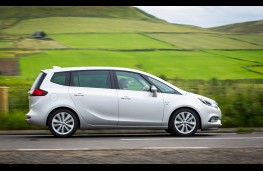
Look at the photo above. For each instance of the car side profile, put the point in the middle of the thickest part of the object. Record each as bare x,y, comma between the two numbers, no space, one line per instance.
67,99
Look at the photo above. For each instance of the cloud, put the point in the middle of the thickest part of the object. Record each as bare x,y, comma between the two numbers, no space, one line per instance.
205,16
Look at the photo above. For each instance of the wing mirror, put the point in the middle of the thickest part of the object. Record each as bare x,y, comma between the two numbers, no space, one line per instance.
154,90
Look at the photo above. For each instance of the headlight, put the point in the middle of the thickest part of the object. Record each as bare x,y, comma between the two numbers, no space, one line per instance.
209,103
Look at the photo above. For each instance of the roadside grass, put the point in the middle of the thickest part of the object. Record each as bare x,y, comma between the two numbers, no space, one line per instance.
244,130
171,64
240,101
203,41
15,120
54,25
110,41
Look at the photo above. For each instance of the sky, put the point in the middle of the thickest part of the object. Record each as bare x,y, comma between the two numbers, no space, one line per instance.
205,16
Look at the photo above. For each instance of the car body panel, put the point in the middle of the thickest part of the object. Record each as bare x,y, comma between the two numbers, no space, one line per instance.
140,108
114,108
98,107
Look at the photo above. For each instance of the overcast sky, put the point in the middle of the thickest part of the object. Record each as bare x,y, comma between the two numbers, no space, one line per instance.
205,16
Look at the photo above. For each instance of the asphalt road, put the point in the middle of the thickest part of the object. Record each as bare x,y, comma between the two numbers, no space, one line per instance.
133,148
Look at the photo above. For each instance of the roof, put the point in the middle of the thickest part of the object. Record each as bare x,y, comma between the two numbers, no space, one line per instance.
60,69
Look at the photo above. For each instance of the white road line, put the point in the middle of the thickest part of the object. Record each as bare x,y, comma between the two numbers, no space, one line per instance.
51,149
83,149
159,139
152,148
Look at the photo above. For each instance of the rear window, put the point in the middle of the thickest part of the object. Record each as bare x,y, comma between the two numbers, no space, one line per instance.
93,79
60,78
38,80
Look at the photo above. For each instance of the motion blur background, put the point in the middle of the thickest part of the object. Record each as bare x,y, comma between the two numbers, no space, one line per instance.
224,63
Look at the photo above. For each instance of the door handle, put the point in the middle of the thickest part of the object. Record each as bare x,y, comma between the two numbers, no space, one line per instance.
125,98
79,94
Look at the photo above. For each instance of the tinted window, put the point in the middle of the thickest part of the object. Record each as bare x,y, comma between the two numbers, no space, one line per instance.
132,81
163,87
39,80
60,78
74,79
94,79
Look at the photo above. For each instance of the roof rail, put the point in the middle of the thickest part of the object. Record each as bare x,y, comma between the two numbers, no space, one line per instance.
56,67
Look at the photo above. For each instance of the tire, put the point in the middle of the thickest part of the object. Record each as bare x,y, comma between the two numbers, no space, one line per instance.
63,123
187,123
168,131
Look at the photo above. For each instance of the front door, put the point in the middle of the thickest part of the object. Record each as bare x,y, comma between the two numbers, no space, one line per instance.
137,106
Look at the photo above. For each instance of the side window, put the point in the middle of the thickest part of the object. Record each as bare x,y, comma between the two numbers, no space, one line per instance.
60,78
132,81
163,87
93,79
38,81
74,79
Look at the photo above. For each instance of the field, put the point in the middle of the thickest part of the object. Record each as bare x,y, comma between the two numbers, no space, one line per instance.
204,41
253,39
172,64
55,25
256,55
110,41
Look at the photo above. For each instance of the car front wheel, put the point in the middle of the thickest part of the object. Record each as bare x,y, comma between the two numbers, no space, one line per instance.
184,122
62,123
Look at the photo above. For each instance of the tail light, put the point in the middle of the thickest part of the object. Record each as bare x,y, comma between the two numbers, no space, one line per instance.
38,92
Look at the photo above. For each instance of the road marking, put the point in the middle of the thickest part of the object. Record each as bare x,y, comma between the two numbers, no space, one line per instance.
152,148
52,149
158,139
83,149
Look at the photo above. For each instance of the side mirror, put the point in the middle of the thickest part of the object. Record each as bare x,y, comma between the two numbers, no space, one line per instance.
154,90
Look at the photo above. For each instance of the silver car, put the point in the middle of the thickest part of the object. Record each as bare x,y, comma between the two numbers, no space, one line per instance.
65,99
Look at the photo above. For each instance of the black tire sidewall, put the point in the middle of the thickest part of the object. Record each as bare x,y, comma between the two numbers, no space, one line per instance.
72,132
172,128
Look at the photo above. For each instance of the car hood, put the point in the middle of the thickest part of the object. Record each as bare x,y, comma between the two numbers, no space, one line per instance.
199,96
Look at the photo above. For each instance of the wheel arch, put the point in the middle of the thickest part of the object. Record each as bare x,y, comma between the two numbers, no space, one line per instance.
58,108
200,121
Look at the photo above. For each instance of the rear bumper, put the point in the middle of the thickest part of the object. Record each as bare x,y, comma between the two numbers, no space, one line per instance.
36,118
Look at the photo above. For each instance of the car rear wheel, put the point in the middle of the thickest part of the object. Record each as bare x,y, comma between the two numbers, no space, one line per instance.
168,131
184,122
62,123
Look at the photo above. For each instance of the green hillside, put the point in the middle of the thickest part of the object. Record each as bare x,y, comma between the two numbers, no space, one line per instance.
208,41
125,37
250,27
56,25
29,12
110,41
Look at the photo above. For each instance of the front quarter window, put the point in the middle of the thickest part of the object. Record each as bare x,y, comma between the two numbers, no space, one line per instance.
163,87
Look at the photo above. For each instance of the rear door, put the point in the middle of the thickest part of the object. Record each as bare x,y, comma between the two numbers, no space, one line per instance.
94,97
